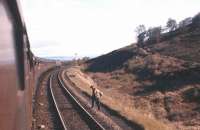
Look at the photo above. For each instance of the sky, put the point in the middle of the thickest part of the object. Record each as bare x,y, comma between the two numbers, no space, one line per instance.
95,27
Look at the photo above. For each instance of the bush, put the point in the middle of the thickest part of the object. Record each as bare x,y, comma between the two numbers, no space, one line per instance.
196,20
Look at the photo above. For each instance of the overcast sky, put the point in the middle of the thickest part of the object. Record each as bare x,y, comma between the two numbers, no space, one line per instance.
95,27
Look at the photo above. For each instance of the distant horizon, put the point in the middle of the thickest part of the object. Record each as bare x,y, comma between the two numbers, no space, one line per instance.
65,57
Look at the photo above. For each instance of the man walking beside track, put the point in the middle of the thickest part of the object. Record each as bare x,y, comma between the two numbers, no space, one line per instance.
96,95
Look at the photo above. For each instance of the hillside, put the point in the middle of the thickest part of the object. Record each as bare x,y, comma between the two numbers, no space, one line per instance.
162,79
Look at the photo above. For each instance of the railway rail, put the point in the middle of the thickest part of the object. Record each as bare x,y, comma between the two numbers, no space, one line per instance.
71,113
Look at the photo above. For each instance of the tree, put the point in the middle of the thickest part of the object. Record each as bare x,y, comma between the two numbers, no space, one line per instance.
141,38
141,34
196,20
171,24
154,33
140,29
185,22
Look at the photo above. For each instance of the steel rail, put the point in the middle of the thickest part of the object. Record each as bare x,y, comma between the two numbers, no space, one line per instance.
56,105
91,119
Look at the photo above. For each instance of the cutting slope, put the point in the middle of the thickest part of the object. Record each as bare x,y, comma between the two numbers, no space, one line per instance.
162,79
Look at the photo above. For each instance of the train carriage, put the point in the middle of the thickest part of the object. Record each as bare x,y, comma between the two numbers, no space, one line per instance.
18,69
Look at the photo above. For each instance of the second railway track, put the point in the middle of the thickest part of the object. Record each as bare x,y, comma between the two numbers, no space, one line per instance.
72,115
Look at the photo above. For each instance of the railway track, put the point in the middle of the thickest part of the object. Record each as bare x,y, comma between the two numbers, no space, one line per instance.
72,115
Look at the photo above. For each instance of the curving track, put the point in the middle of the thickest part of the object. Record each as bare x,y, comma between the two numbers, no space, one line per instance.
72,114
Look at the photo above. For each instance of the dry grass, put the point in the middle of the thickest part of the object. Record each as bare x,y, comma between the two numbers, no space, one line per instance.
155,63
116,103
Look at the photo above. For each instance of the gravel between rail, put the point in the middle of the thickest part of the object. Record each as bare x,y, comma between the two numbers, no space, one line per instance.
71,116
